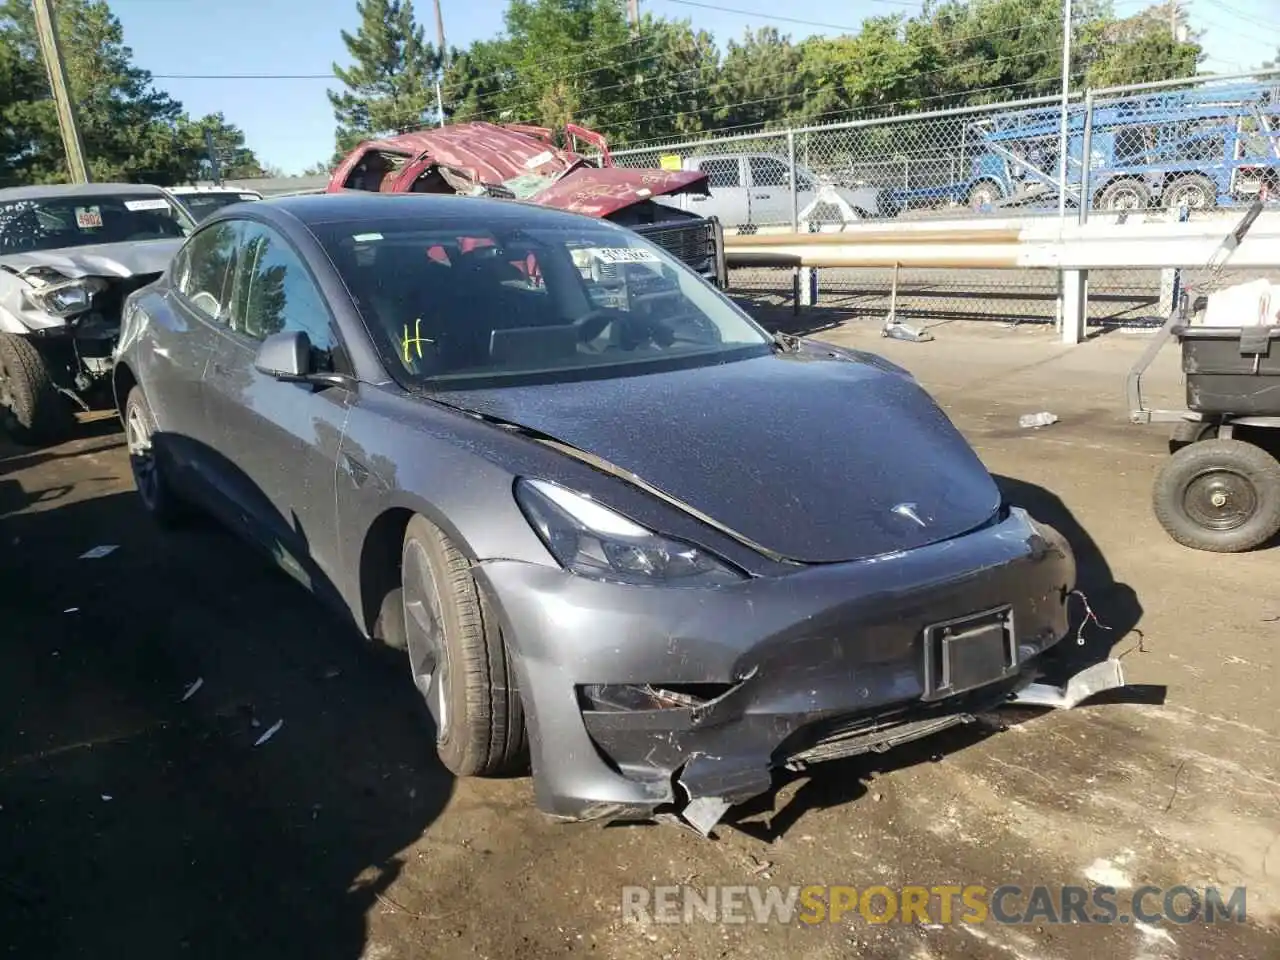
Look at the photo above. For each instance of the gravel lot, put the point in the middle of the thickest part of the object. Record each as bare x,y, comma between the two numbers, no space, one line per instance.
134,823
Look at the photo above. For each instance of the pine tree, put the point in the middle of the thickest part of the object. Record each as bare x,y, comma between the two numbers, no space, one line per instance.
391,84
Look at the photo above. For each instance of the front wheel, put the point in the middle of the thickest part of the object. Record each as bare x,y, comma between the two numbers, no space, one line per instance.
982,195
32,410
458,658
1219,495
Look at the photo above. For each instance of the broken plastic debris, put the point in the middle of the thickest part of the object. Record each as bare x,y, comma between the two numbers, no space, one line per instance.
270,732
897,330
106,797
71,610
1042,419
98,552
192,689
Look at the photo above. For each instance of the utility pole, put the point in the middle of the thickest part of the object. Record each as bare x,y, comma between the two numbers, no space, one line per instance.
51,49
1173,20
633,16
444,60
1064,143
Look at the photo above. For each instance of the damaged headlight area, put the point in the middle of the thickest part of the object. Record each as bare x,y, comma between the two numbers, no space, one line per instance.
593,541
69,298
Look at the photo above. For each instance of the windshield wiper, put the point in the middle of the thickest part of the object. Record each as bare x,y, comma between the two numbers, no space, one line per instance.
786,343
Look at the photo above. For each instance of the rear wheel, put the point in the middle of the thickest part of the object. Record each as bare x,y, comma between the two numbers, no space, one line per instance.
150,473
32,410
458,658
1124,195
1219,495
1194,190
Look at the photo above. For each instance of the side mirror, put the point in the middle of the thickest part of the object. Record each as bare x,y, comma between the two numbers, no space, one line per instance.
285,356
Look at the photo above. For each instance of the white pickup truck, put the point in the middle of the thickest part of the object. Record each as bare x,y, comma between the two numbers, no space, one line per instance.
753,190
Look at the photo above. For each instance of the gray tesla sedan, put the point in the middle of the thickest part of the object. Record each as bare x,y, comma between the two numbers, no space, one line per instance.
624,534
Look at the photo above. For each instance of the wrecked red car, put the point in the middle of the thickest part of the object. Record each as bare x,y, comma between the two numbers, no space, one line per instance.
522,162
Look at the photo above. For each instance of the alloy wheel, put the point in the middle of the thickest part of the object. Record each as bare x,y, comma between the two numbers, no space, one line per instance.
142,459
424,636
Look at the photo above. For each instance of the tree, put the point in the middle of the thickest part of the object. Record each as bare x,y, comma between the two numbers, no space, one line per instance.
1140,49
127,126
390,88
21,84
131,131
235,160
760,79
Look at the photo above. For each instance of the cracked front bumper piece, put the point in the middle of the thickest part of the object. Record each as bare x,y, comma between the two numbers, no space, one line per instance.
643,701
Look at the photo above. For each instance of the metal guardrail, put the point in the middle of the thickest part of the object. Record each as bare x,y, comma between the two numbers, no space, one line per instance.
993,244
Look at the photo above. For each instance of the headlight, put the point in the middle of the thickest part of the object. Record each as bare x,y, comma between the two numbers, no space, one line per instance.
68,299
593,541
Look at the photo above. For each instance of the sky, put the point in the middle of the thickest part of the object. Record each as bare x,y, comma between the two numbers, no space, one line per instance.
192,46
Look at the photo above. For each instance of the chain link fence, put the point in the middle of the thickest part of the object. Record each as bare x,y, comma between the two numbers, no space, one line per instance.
1155,150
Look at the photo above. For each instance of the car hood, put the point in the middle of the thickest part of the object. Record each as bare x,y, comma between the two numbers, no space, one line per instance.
98,260
598,192
817,458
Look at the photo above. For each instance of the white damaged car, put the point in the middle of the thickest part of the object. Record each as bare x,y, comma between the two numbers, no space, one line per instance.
69,255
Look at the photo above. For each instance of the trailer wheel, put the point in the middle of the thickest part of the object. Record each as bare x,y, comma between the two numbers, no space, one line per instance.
1193,190
1187,432
1222,496
1124,195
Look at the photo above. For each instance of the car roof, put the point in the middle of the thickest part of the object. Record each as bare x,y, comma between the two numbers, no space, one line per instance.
359,205
50,191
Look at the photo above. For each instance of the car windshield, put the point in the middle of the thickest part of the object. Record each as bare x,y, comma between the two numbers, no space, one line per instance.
200,205
55,223
456,305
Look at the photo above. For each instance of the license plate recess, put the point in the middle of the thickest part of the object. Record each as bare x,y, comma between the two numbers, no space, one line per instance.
969,652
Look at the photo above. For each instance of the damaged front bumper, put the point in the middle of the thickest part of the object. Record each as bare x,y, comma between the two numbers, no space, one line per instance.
647,700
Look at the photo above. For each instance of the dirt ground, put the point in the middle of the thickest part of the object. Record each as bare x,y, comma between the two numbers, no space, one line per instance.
137,823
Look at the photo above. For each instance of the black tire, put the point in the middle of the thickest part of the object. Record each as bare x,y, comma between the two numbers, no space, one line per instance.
32,411
1199,190
1186,432
1219,495
149,465
458,659
1124,195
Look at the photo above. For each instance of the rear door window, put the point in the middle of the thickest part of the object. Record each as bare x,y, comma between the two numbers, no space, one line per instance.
723,172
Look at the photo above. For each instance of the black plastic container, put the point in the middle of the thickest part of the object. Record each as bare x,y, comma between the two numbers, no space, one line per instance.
1231,370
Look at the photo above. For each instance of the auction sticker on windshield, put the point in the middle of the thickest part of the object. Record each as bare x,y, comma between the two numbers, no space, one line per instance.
159,203
624,255
88,218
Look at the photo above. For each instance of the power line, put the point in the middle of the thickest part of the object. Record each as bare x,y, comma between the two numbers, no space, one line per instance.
244,76
774,16
710,135
834,68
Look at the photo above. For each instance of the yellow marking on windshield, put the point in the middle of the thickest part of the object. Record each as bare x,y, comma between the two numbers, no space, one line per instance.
416,341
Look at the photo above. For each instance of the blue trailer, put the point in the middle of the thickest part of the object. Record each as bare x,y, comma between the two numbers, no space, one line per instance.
1197,148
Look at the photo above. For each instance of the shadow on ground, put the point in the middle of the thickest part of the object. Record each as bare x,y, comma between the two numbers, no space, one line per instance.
1117,611
139,824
